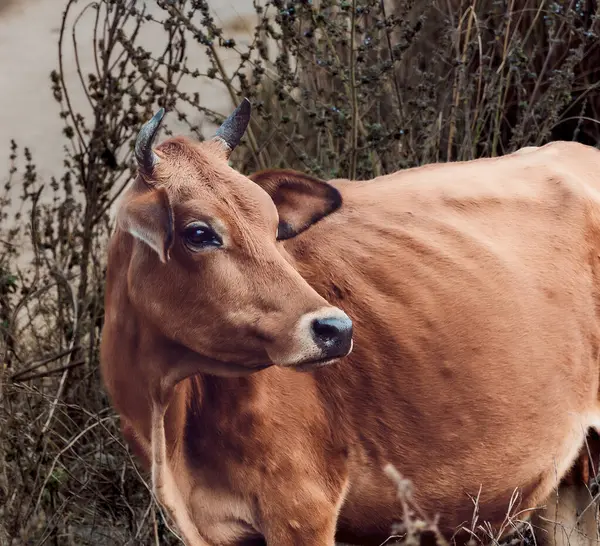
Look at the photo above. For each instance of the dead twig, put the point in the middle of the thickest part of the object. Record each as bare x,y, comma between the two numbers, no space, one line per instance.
38,364
64,368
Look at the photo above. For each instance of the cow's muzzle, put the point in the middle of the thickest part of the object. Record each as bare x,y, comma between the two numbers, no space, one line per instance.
319,338
333,335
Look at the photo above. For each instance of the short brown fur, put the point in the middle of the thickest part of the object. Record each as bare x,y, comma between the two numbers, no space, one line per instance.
473,291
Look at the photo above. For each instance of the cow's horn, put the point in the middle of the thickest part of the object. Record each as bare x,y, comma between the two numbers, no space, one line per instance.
145,156
233,128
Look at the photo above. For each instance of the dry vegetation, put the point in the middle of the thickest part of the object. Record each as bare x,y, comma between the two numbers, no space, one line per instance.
350,88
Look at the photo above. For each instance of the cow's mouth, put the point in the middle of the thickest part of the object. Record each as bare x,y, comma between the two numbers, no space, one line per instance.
311,365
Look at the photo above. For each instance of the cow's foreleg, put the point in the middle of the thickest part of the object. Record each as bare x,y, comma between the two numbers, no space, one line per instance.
163,483
306,516
315,528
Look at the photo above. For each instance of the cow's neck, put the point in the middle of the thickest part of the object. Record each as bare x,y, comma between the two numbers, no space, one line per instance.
131,355
180,383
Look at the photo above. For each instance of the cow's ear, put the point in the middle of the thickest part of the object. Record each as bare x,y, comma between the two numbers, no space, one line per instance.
301,200
148,216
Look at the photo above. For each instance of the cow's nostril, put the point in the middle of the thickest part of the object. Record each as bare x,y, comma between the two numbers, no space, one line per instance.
324,330
333,334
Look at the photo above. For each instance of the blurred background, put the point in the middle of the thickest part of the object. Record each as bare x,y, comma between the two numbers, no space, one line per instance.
340,88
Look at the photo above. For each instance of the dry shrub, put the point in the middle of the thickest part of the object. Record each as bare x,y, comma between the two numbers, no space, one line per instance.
526,71
434,81
341,88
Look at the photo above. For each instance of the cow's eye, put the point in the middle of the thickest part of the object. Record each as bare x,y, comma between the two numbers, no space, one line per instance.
198,235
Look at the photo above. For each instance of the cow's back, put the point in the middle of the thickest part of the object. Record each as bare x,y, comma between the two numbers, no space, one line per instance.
473,291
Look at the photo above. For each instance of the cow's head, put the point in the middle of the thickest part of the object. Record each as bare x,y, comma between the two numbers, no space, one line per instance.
206,266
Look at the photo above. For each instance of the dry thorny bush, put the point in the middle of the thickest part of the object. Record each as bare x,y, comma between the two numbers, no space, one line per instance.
340,88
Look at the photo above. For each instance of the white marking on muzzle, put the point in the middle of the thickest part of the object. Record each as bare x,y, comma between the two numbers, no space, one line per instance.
303,346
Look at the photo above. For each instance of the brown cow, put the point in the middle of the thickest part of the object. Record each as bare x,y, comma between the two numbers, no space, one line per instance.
473,291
